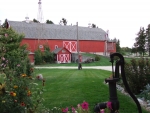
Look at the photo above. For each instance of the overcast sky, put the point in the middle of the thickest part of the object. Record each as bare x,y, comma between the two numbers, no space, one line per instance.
123,18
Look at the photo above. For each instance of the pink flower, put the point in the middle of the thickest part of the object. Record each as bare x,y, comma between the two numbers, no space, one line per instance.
18,65
85,105
73,110
109,105
102,111
78,105
6,35
3,58
65,110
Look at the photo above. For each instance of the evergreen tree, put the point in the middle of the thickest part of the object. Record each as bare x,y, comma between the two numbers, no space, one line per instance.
148,39
118,48
141,41
5,24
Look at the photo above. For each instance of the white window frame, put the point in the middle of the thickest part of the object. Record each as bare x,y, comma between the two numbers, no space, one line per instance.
56,46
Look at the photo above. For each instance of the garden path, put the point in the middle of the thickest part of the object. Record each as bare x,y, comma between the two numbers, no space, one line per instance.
108,68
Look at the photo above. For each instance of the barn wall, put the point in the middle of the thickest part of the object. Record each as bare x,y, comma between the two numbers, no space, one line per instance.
33,44
91,46
84,46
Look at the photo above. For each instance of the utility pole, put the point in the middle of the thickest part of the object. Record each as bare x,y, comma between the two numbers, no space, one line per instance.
78,48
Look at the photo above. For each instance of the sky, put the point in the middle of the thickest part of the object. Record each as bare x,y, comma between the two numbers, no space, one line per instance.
122,18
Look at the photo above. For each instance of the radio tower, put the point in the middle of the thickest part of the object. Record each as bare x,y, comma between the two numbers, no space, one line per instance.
40,13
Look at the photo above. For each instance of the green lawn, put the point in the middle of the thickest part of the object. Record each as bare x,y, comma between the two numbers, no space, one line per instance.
68,87
104,61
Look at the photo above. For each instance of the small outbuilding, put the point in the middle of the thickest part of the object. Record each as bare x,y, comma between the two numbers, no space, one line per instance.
62,55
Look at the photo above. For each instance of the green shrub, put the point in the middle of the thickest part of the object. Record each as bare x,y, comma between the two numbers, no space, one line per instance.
138,74
145,93
97,58
18,91
38,57
48,56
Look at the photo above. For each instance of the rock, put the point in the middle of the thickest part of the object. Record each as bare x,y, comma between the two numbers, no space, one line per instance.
140,101
40,77
148,105
148,108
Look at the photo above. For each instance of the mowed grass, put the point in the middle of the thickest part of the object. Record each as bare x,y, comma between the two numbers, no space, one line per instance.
104,61
69,87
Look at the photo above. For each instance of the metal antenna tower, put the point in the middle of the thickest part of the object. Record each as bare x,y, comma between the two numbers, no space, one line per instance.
40,13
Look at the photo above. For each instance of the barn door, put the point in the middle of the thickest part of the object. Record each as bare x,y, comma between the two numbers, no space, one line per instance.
64,58
70,45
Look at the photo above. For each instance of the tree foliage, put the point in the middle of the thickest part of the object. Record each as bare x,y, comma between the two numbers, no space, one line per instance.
38,57
36,21
148,39
141,41
63,21
48,56
93,25
43,57
118,48
18,93
137,74
49,22
5,24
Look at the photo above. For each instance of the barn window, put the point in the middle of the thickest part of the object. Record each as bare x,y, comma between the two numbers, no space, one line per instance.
40,46
56,46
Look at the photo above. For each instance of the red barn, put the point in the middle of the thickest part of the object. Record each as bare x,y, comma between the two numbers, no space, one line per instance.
91,40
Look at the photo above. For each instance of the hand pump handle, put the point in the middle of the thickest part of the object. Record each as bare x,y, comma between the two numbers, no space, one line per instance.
121,64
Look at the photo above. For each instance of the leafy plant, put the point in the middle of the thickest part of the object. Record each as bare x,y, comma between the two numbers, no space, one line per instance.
18,90
97,58
145,93
138,74
48,56
38,57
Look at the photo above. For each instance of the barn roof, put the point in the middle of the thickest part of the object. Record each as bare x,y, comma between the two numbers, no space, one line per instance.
59,49
51,31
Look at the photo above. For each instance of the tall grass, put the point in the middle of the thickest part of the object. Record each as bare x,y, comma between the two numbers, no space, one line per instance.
66,88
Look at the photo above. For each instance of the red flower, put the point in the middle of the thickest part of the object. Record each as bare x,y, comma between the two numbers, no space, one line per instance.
11,93
37,77
22,104
65,110
85,105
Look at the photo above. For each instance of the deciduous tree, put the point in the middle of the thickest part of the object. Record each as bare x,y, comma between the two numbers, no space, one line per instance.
63,21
